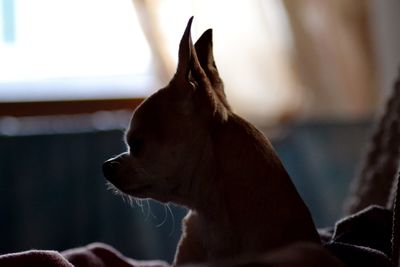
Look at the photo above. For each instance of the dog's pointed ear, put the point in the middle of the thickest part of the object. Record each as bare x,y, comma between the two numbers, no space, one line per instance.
189,68
185,53
189,71
204,51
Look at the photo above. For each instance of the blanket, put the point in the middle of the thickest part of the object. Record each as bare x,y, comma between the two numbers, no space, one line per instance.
361,239
102,255
93,255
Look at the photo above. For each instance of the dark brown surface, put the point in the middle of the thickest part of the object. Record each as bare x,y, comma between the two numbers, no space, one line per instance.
65,107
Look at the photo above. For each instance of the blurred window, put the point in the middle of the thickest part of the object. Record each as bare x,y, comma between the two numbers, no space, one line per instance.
72,49
279,59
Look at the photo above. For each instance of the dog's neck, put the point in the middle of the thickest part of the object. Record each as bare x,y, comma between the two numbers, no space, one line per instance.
247,197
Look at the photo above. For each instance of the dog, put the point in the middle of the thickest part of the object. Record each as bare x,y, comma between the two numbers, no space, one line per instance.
187,146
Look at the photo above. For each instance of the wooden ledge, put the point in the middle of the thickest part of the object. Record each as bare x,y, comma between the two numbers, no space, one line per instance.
66,107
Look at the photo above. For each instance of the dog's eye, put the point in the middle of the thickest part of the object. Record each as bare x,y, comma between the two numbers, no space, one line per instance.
135,146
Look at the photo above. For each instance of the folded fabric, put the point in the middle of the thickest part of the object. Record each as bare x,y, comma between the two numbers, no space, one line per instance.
362,239
102,255
43,258
93,255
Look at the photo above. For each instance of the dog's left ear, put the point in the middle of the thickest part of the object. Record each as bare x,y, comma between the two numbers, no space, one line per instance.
204,51
189,69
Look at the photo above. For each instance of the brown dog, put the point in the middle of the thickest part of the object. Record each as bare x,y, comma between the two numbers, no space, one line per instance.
187,146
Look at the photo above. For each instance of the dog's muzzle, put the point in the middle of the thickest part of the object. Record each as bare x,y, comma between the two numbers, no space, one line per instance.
110,168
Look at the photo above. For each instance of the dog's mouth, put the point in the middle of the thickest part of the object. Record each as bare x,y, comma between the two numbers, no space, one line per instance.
137,190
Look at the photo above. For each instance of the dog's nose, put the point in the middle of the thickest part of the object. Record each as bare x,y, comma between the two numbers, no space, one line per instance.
110,168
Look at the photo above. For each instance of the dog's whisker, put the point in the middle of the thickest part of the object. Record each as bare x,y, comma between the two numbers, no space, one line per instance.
125,198
148,210
141,205
130,201
151,212
137,201
173,220
165,217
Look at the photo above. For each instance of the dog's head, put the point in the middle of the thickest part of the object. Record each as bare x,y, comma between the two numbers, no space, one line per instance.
169,135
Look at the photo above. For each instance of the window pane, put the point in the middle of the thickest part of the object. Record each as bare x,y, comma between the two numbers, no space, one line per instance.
52,49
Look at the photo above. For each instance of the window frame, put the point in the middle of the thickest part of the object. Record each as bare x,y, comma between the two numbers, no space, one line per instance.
66,107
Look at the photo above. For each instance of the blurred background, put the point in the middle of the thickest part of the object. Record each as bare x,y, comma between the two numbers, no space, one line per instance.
311,74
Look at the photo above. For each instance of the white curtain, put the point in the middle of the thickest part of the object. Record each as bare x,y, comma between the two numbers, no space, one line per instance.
279,59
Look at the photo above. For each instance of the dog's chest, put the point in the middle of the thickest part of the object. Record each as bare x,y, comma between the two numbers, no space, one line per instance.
217,241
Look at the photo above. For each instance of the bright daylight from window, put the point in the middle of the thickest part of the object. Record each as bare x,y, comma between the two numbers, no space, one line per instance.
71,49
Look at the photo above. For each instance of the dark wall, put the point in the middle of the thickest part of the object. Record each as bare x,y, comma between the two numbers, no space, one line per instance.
53,196
322,158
